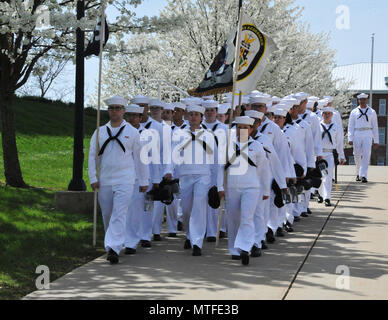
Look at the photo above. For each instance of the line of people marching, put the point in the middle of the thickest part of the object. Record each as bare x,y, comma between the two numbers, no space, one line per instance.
275,146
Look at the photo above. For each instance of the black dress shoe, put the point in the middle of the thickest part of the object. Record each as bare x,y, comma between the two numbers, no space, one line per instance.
172,235
304,215
180,226
196,251
112,257
263,245
327,203
279,232
222,234
358,179
288,227
157,237
211,239
297,219
187,244
320,199
255,252
309,211
130,251
269,236
145,243
236,258
364,180
244,257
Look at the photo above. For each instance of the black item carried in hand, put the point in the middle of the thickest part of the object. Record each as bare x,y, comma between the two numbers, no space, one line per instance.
214,198
335,155
165,192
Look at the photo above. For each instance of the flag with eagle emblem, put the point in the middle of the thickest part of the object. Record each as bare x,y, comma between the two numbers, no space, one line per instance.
255,49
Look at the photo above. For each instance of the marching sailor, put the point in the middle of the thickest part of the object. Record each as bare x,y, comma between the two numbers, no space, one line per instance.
244,170
154,127
220,131
362,132
273,132
118,162
133,115
195,159
331,140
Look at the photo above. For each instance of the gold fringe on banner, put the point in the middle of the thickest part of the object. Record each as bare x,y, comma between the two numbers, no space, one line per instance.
192,92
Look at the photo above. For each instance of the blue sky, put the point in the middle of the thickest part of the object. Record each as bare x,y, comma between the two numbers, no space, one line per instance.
352,44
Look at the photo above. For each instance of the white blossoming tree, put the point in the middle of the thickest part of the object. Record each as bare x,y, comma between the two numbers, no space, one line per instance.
303,61
33,29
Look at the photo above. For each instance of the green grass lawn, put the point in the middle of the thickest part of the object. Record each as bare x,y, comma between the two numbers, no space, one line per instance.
32,232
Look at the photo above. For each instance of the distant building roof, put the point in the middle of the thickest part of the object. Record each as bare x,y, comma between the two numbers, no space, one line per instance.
360,75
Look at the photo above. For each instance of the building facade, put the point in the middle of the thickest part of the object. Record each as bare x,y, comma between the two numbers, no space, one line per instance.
359,75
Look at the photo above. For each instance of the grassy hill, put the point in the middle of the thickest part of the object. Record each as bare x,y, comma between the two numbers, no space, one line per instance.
44,134
32,232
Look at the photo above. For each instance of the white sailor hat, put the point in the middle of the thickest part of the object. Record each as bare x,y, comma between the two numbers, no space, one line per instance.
313,99
223,108
259,99
140,100
197,100
188,101
322,103
329,98
255,93
254,114
244,100
290,101
208,98
116,100
271,108
169,106
328,109
297,98
280,112
362,96
302,96
195,108
134,108
156,103
245,120
283,105
275,100
310,104
210,104
179,105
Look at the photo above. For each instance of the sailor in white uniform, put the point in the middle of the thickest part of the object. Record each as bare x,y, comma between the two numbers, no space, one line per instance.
119,164
133,115
331,140
155,128
275,135
243,186
220,131
195,157
363,131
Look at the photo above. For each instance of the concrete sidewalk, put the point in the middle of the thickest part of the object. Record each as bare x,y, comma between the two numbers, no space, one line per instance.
295,267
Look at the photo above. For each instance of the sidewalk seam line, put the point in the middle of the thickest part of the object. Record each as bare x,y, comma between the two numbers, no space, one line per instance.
312,246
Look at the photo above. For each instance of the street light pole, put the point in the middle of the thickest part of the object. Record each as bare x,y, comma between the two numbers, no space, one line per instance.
77,183
371,74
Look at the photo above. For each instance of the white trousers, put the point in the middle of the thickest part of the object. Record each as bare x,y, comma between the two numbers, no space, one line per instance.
289,208
259,220
241,206
273,221
135,214
114,202
362,147
327,180
194,191
282,219
146,222
171,213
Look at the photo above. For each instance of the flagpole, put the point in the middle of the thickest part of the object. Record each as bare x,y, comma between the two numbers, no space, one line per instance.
102,40
371,73
235,74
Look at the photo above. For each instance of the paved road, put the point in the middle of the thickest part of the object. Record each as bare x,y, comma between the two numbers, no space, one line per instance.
302,265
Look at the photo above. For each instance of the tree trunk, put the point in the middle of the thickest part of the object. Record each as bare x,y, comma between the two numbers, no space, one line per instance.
12,171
